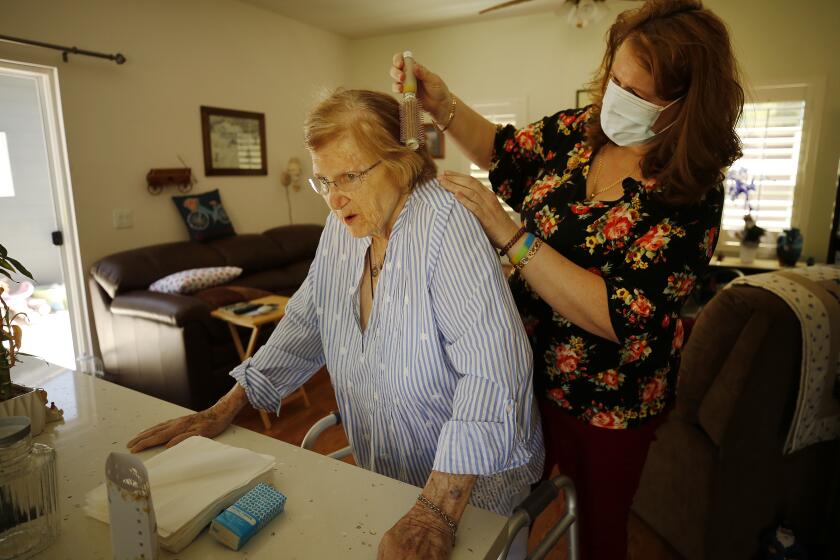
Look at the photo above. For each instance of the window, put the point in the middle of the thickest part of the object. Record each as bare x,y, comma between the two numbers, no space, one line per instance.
511,111
7,188
764,179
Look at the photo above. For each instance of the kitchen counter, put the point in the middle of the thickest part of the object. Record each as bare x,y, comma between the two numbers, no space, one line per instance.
334,510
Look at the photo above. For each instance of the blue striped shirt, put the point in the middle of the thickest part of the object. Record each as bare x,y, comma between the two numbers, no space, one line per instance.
440,379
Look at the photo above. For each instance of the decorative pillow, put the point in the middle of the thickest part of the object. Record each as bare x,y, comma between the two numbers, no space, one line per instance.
204,216
219,296
195,279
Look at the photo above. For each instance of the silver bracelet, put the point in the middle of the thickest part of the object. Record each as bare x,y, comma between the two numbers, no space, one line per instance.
453,527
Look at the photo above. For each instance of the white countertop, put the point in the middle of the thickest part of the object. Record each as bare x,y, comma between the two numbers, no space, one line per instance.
334,510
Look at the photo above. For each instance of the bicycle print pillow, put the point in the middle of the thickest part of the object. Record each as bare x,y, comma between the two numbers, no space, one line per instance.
195,279
204,216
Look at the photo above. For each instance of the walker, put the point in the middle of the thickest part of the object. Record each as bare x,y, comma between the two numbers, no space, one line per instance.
523,515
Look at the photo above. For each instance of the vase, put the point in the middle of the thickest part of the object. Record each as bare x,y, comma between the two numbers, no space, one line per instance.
748,252
789,247
26,401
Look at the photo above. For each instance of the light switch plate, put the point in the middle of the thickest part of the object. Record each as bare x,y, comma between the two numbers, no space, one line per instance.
123,218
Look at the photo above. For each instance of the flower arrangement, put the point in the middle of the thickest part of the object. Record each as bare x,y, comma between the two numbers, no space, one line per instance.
738,185
742,183
10,335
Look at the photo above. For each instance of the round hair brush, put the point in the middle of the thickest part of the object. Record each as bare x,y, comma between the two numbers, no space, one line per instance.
411,127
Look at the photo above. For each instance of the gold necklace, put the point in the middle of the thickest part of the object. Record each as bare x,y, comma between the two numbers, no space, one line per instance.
375,269
599,164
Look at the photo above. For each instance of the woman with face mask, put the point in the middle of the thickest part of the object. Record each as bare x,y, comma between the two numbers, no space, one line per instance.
621,206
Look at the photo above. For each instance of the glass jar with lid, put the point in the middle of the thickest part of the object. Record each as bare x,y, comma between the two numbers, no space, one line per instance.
29,516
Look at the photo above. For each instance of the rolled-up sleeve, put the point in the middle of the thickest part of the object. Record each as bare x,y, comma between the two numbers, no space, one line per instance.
292,354
483,337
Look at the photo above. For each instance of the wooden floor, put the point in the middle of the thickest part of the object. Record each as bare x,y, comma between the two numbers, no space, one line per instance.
296,418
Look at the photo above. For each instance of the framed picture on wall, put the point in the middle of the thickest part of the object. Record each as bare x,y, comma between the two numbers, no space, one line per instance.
434,141
583,98
234,142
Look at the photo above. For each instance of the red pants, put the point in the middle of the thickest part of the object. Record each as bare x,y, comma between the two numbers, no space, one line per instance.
606,466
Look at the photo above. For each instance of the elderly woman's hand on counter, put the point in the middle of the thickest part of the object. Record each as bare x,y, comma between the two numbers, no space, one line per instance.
208,423
418,534
423,532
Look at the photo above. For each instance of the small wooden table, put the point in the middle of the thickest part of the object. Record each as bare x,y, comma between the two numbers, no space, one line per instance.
255,323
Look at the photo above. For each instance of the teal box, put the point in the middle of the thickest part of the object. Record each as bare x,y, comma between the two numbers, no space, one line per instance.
238,523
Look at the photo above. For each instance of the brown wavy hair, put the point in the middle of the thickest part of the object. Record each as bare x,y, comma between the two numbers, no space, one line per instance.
372,119
687,50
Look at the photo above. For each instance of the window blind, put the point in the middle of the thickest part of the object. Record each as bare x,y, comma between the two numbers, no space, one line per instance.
771,136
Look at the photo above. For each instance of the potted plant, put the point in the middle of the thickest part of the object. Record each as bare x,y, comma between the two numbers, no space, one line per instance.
16,400
750,238
741,183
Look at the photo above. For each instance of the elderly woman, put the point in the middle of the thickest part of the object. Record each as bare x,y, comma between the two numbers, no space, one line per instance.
406,304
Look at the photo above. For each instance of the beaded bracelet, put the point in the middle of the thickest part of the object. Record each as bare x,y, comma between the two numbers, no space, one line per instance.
503,251
529,255
451,116
523,250
453,527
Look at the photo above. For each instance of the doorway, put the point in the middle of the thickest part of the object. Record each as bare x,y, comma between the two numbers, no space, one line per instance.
37,218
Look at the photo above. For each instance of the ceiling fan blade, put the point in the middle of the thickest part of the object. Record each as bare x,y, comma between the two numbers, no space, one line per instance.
502,5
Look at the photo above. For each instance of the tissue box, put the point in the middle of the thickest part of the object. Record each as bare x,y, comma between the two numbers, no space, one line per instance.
238,523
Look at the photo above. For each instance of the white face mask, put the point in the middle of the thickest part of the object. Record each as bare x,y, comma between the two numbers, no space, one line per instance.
627,119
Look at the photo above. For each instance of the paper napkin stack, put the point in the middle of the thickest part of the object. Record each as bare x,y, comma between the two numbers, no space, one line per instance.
190,484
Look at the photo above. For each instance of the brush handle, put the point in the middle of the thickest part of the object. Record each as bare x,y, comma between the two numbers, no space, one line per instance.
410,82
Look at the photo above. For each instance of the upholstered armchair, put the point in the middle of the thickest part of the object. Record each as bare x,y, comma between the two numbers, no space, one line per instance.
716,477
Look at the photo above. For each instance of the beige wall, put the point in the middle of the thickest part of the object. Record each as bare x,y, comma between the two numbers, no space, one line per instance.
542,58
123,120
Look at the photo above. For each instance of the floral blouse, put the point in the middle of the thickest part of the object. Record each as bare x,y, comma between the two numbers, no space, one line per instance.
648,253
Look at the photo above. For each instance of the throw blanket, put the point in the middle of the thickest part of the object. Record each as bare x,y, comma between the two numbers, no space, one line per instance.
813,293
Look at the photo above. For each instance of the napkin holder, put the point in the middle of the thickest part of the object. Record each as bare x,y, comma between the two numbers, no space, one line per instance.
131,513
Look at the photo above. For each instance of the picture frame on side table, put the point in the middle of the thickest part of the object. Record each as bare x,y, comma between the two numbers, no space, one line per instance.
234,142
434,141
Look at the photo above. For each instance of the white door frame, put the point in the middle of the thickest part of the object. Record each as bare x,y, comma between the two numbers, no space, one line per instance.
49,99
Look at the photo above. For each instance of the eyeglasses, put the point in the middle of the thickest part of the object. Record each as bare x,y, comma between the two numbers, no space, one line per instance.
347,182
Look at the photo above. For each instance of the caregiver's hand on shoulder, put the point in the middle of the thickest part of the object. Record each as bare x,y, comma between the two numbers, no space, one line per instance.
419,534
482,202
208,423
431,90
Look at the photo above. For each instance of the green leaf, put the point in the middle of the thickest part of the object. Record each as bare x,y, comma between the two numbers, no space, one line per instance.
6,264
3,251
20,268
6,274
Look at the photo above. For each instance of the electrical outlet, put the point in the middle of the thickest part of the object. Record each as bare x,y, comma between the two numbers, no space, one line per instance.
123,218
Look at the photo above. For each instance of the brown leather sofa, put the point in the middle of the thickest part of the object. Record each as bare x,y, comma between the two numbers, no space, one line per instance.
715,477
167,345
